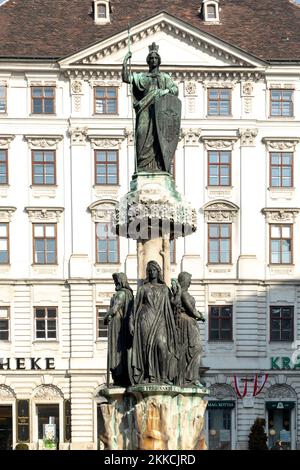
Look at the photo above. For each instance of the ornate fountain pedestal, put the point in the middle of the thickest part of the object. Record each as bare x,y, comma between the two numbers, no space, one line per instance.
153,417
153,212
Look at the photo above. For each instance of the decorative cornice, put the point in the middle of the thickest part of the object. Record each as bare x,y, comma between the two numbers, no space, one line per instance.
171,29
287,144
78,135
6,213
5,140
103,211
248,137
106,142
219,143
280,215
220,211
48,393
44,214
43,141
190,136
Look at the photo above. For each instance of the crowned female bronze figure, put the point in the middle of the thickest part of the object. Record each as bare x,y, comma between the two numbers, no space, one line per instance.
153,154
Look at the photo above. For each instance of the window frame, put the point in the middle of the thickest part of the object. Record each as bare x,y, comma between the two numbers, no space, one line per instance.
220,318
100,308
43,100
7,238
8,319
281,239
6,167
281,101
219,165
219,240
281,319
44,238
105,98
208,6
281,166
219,101
98,262
44,164
107,163
4,86
46,319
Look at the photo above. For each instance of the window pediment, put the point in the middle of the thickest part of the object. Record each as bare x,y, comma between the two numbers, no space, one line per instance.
46,141
103,211
5,140
280,215
220,211
44,214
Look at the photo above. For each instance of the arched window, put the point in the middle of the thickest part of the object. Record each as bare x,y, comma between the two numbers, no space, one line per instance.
211,12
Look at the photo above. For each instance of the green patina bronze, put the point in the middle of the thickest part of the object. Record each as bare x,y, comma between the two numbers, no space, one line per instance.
158,114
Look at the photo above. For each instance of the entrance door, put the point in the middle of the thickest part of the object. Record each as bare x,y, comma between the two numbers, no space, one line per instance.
48,414
280,426
219,429
6,427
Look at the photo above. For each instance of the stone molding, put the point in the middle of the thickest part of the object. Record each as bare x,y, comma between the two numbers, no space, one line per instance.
220,211
43,141
103,210
6,213
190,88
6,393
222,392
5,140
280,391
280,215
280,144
219,143
105,142
44,214
247,89
76,87
190,136
48,393
248,137
78,135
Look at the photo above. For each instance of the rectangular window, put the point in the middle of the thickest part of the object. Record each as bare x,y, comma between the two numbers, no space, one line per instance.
106,167
281,323
4,243
2,99
281,244
219,102
105,100
43,167
219,168
281,165
45,242
107,244
219,243
4,324
211,12
101,328
3,167
220,323
282,103
45,322
43,99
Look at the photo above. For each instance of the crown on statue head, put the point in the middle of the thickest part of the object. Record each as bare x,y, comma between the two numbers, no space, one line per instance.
153,48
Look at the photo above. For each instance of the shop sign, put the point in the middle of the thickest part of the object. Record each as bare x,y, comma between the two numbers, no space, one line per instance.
220,404
280,405
29,363
284,363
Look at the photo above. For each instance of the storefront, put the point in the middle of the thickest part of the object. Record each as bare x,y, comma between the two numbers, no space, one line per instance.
220,422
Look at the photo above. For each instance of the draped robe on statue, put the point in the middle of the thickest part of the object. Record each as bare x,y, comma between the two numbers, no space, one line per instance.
154,352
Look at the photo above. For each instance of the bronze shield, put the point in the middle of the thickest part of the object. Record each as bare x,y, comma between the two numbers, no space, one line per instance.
168,117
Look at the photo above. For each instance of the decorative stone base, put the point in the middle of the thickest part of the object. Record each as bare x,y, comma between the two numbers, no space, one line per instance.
153,208
153,417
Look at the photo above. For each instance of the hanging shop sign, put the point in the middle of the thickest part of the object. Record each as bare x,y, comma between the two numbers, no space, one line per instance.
280,405
228,404
29,363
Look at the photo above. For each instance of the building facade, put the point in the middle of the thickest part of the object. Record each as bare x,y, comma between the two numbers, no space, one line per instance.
67,156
